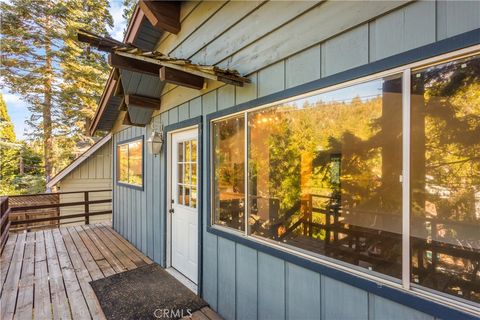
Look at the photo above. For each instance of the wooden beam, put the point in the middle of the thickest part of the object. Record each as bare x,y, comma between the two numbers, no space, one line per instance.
126,120
134,65
232,79
116,74
123,105
118,88
141,101
181,78
163,15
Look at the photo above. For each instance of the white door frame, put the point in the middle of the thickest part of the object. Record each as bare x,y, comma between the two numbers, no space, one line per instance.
168,206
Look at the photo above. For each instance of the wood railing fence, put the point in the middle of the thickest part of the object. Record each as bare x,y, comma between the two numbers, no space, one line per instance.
4,221
50,210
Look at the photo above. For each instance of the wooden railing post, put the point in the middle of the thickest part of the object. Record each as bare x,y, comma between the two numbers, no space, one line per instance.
87,208
4,221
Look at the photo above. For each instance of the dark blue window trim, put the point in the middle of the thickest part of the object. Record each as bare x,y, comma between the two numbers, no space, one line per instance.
197,121
127,185
436,309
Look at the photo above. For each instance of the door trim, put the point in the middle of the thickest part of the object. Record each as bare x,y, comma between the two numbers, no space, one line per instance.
167,152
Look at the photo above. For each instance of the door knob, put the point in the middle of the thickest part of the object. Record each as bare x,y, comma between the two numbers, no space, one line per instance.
171,210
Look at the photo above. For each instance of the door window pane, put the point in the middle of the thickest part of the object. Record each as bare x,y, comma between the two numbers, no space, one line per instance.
187,196
193,198
194,150
180,194
180,152
228,172
324,174
188,155
445,177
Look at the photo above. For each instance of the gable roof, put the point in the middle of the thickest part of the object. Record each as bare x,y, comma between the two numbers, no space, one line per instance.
78,161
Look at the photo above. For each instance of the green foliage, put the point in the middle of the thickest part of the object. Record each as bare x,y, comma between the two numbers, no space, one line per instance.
9,149
21,167
129,7
84,71
57,77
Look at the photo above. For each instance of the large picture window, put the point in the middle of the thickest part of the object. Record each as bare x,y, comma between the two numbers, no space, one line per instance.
445,177
130,163
324,174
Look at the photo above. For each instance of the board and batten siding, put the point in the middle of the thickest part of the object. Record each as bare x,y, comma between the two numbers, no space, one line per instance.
94,173
279,45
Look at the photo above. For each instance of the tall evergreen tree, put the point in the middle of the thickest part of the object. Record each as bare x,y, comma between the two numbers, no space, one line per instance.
9,148
32,33
84,72
128,8
58,78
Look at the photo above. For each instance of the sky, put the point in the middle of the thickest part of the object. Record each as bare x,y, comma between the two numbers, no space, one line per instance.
17,109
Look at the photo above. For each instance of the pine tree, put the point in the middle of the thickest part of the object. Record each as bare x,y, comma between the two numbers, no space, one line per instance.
9,150
128,8
32,33
60,79
84,72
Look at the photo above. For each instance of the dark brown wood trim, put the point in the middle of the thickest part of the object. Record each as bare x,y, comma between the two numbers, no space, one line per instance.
123,105
181,78
107,93
58,205
142,101
163,15
78,215
134,65
118,88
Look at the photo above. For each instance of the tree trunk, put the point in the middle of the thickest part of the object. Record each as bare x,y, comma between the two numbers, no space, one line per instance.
47,108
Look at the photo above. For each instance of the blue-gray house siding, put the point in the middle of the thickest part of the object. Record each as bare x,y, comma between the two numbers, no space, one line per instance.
239,281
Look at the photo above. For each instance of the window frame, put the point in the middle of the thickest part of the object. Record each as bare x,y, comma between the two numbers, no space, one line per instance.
316,261
117,163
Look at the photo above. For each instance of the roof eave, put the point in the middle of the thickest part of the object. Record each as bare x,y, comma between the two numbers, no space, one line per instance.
132,31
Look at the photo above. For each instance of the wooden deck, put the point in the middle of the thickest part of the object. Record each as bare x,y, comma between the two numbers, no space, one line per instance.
46,274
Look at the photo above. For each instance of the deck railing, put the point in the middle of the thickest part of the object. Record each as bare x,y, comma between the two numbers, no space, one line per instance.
50,210
4,221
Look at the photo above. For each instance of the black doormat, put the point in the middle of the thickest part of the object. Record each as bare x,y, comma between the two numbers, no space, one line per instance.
148,292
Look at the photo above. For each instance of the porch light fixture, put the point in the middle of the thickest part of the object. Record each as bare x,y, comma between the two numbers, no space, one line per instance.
155,142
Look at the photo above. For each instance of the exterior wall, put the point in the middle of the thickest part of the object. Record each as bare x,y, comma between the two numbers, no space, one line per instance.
95,173
300,42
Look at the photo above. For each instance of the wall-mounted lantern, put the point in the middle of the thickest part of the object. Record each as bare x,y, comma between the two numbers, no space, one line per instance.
155,142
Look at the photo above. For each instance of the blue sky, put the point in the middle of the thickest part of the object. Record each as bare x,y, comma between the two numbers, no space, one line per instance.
17,109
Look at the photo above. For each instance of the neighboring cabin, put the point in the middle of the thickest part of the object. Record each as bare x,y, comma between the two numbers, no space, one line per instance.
90,171
300,209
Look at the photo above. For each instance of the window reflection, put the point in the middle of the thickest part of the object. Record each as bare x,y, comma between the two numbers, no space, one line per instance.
135,163
130,163
324,174
228,167
445,177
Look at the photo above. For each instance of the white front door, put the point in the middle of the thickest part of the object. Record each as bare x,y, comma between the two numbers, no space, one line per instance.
184,213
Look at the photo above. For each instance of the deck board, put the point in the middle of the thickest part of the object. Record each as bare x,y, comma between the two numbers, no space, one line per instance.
105,251
58,293
46,274
25,292
42,290
97,256
128,245
6,258
83,275
10,287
